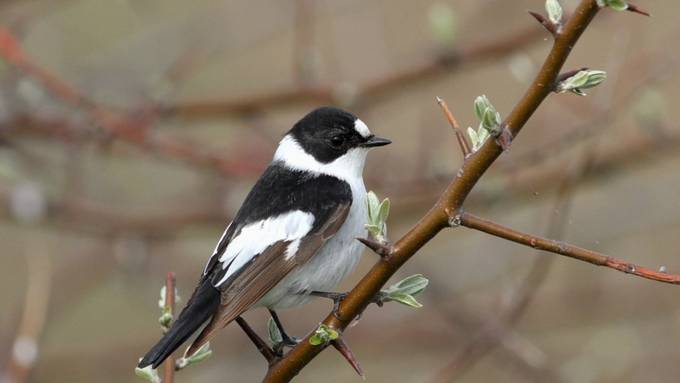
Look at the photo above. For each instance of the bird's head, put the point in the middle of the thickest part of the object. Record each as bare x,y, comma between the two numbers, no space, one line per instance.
329,140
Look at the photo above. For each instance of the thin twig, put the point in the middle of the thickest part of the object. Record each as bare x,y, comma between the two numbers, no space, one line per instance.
562,248
494,330
260,344
169,365
547,24
462,142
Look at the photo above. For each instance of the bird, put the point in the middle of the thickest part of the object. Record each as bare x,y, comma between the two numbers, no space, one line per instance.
294,236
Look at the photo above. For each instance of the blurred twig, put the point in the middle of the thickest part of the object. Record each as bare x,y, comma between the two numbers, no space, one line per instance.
25,348
469,54
131,128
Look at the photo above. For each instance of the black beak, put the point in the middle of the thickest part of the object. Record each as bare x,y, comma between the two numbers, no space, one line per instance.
374,141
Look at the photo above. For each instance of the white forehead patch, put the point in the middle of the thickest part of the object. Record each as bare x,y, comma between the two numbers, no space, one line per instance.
361,128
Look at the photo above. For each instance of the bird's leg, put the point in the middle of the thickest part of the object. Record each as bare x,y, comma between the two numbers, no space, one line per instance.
287,340
335,297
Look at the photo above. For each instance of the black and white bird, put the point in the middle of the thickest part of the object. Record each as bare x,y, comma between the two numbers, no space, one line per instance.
295,233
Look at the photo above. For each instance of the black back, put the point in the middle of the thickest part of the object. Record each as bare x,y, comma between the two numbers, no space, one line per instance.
327,133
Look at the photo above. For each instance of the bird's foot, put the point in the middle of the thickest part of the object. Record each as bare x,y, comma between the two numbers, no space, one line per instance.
335,297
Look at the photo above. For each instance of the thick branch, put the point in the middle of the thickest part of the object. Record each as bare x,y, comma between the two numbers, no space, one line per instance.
558,247
452,199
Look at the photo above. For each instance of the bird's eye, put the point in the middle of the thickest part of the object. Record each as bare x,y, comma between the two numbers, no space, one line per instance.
337,141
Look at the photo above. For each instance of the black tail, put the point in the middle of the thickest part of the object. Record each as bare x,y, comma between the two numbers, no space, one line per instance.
202,305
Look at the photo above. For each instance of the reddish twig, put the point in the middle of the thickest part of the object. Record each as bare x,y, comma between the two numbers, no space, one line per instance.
259,343
562,248
462,142
169,364
547,24
133,130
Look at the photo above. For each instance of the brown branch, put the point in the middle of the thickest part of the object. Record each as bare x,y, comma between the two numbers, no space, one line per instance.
562,248
494,330
260,344
169,365
462,142
547,24
449,203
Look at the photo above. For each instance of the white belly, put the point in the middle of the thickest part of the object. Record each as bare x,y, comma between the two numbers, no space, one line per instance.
335,260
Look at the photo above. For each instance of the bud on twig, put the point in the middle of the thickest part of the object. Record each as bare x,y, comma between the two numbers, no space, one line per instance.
404,290
323,335
618,5
200,355
148,373
490,123
378,211
554,10
583,79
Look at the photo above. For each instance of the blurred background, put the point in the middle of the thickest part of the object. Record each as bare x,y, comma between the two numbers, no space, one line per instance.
130,132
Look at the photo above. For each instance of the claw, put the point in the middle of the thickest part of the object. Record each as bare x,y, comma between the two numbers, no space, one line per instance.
335,297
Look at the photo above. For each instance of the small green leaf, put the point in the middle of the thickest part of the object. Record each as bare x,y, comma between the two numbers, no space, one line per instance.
412,285
481,105
323,335
618,5
482,136
166,318
274,333
200,355
384,210
473,138
405,299
373,206
554,10
584,79
149,374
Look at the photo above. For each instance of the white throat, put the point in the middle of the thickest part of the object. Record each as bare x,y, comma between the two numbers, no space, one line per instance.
348,168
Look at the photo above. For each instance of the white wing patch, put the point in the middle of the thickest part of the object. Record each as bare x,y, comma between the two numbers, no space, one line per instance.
257,236
361,128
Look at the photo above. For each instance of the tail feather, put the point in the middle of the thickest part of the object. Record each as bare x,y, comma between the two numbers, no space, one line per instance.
201,307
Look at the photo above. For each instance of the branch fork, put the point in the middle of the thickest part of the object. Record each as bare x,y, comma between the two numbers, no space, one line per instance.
384,250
